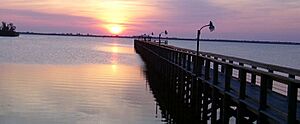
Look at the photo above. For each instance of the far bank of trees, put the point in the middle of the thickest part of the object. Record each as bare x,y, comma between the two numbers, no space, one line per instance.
7,27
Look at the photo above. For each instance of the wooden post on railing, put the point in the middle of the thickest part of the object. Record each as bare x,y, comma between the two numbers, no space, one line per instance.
292,101
207,68
184,60
214,106
176,57
263,98
180,58
194,61
241,64
263,91
242,95
228,74
243,75
270,81
200,65
223,67
189,62
253,76
173,56
216,73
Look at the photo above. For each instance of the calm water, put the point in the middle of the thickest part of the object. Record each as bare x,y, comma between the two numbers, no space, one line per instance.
69,80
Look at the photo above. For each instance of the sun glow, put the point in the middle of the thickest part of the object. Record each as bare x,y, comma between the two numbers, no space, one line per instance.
116,29
99,16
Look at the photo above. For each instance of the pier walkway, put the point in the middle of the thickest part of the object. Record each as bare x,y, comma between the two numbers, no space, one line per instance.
220,89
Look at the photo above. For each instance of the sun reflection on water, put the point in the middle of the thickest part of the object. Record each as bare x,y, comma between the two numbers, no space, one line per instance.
114,68
117,49
114,58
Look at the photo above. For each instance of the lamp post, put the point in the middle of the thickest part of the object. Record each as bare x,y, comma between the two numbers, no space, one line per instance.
160,36
150,36
145,37
211,28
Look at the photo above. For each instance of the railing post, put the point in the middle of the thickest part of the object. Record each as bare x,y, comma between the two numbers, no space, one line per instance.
194,64
263,92
189,62
242,74
214,107
241,64
180,58
173,56
225,109
292,101
223,66
253,76
216,73
176,57
200,65
207,68
270,81
228,75
184,60
263,98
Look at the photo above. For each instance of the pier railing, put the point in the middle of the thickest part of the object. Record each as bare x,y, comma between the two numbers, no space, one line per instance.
266,90
282,74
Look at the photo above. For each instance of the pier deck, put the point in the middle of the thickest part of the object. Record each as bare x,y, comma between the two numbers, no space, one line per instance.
215,88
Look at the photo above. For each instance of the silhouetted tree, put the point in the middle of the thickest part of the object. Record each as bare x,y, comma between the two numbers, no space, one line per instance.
4,26
8,27
11,27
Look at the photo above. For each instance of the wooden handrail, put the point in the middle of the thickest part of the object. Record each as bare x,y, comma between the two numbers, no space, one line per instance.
277,68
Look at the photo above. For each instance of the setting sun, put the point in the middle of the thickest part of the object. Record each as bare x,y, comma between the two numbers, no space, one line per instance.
116,29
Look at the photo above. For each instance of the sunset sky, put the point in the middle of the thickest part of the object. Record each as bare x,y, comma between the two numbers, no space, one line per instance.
234,19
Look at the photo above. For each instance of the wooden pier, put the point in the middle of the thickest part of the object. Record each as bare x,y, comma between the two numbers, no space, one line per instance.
213,88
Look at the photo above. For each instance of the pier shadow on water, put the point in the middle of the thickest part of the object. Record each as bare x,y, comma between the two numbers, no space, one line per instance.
172,111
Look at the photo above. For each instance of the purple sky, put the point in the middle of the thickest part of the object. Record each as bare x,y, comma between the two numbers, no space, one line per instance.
238,19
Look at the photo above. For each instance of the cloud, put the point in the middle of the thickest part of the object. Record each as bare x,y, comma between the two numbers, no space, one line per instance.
237,19
27,20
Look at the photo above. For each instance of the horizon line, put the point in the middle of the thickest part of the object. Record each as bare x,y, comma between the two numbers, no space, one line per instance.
166,38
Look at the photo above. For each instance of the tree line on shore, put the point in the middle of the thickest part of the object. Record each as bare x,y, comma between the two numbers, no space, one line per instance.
7,27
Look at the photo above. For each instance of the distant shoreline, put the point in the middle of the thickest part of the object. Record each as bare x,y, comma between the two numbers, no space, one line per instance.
165,38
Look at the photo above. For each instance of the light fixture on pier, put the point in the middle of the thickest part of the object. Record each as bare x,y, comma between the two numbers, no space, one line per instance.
150,35
165,32
211,28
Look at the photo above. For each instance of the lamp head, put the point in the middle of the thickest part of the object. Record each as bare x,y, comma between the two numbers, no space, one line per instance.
152,33
166,32
211,26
